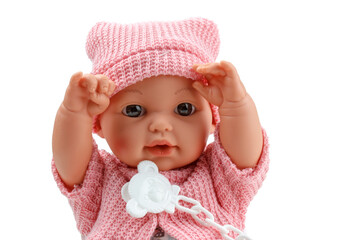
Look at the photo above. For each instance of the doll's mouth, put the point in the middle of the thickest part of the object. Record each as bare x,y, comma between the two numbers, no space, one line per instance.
160,148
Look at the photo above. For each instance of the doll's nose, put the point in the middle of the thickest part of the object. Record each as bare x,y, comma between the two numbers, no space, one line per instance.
160,124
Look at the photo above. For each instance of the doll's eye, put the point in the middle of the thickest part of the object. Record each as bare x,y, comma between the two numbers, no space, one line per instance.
133,111
185,109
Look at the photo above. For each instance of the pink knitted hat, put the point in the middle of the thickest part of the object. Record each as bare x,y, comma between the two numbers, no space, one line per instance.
130,53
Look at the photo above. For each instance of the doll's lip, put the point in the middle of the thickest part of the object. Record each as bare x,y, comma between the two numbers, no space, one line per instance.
159,143
160,148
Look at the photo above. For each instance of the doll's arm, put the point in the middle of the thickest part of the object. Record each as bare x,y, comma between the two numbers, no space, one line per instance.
240,130
86,96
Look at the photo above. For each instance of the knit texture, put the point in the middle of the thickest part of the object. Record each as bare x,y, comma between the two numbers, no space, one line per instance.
213,180
129,53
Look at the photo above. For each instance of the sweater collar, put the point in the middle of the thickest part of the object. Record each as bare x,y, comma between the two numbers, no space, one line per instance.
176,176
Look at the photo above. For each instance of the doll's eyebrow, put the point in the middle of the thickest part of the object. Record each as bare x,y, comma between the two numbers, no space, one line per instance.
132,91
183,89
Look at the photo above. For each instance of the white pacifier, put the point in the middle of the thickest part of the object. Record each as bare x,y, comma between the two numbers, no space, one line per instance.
149,191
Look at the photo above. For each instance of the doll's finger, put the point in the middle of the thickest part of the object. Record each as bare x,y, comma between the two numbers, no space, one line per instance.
211,68
99,98
98,107
196,66
103,83
232,74
199,87
205,65
212,95
89,82
75,78
214,80
229,69
111,88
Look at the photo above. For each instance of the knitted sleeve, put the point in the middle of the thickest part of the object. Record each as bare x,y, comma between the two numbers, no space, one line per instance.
235,188
85,199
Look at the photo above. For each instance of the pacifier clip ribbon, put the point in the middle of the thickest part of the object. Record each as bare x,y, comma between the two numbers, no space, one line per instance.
150,191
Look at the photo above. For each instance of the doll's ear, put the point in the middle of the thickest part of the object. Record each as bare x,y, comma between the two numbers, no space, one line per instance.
100,133
212,128
97,128
213,124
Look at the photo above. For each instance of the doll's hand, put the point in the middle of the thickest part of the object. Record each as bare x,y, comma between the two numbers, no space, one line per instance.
88,94
224,88
240,130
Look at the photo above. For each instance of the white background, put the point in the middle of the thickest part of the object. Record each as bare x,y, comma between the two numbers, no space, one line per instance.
300,61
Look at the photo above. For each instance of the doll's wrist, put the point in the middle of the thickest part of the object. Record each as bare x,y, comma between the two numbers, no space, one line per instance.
237,108
76,115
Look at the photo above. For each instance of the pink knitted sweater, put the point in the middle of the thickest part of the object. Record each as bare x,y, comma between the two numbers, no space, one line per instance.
213,180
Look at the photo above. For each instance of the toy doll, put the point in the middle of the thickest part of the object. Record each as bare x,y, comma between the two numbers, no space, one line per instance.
156,93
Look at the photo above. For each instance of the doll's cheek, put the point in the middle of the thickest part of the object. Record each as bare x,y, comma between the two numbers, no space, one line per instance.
120,144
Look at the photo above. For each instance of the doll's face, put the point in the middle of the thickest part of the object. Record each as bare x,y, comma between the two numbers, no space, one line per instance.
162,119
